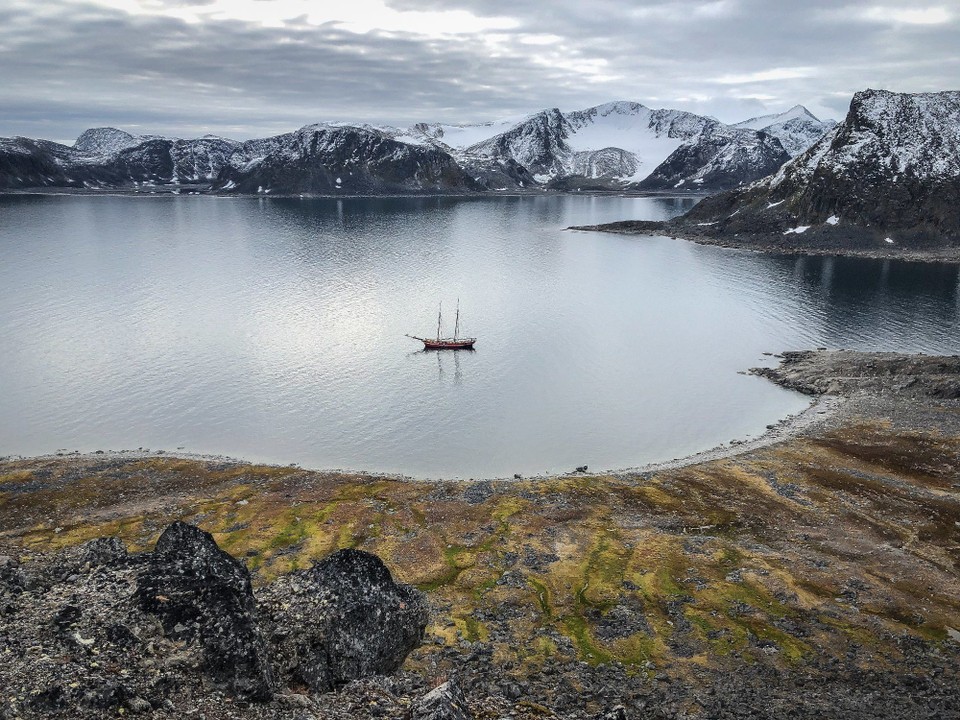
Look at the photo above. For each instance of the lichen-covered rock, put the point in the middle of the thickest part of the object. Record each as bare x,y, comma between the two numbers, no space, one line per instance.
203,595
343,619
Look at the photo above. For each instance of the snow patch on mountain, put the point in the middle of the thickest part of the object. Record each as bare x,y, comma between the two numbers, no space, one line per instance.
105,141
797,129
765,121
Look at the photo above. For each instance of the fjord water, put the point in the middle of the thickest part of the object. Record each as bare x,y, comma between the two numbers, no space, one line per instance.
273,330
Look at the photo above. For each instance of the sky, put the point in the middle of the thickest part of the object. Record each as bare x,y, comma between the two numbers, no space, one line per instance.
253,68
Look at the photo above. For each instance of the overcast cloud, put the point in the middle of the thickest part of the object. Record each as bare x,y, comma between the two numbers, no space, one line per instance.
248,68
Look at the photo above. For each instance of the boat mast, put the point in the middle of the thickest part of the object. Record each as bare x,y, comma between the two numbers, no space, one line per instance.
439,315
456,327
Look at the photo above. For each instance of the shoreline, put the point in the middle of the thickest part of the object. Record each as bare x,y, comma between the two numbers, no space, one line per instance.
762,245
820,410
185,191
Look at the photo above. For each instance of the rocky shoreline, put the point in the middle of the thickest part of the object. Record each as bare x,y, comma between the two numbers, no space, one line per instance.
812,242
812,577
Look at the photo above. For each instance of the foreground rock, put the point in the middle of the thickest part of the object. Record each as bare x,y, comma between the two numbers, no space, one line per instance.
97,631
343,619
884,182
203,597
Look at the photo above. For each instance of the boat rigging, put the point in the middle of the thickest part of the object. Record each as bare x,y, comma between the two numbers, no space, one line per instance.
446,343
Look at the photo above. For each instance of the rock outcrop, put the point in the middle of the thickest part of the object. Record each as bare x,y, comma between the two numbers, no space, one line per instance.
203,596
843,372
96,630
344,618
444,702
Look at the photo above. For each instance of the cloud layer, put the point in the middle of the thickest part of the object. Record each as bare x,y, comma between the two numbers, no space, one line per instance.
250,68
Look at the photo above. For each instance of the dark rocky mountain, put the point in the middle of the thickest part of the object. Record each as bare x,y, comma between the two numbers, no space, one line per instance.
721,158
539,143
329,159
314,159
34,163
107,157
887,177
615,146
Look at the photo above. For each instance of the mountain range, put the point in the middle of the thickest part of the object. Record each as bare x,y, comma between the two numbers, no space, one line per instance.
615,146
884,181
888,174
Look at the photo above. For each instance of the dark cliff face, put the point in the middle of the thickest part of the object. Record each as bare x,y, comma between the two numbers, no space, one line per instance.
341,160
718,160
33,163
538,143
889,173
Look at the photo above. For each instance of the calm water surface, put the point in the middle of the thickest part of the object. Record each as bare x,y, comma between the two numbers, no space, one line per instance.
274,330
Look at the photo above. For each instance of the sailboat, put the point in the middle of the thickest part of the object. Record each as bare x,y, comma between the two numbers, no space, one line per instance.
446,343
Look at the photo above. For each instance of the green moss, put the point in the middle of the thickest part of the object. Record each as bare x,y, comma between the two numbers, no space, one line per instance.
471,628
456,559
543,597
579,632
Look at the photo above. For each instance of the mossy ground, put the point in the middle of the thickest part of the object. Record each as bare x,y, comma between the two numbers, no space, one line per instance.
844,541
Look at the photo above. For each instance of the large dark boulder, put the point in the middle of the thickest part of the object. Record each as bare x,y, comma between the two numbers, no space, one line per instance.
343,619
203,596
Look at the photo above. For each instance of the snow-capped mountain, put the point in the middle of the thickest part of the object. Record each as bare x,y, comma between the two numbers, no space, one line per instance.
106,141
889,174
723,157
329,159
796,129
620,145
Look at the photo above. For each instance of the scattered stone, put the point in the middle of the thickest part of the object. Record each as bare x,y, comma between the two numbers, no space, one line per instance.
444,702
